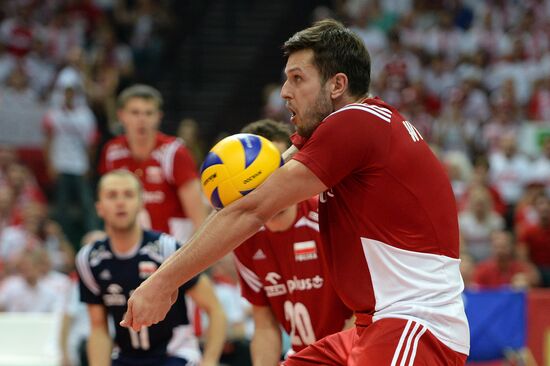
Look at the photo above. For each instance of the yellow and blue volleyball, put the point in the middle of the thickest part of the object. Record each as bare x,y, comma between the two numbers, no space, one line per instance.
236,165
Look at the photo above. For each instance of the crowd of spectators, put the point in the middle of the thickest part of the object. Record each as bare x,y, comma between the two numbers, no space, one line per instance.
471,75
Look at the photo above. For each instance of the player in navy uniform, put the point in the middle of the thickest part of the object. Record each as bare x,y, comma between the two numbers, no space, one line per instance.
112,268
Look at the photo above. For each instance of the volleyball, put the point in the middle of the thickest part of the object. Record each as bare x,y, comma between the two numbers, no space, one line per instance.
236,165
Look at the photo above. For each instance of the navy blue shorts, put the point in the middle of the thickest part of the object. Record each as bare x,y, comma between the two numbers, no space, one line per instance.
149,361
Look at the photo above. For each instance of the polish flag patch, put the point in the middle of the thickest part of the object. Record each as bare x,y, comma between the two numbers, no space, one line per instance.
146,268
305,251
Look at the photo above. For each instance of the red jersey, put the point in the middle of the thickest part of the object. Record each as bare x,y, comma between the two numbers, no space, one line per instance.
388,220
488,274
169,167
537,240
283,270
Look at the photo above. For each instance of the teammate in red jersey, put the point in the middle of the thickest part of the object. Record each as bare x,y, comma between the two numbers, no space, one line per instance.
387,216
282,274
173,200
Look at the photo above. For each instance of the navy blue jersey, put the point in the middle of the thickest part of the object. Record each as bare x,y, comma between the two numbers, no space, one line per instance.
108,279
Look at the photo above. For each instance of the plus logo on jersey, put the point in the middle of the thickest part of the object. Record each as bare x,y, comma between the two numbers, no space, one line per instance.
305,251
276,288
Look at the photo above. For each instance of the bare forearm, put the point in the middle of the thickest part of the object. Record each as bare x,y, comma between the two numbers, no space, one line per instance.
99,348
64,335
223,232
215,337
266,347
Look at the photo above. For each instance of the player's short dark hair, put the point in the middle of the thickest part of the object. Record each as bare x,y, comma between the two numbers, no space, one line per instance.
335,49
270,129
139,91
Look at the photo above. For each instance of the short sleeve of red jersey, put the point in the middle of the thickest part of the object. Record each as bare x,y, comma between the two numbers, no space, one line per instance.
251,285
349,140
184,168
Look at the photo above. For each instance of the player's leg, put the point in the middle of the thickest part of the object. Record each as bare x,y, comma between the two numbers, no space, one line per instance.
177,361
401,342
332,350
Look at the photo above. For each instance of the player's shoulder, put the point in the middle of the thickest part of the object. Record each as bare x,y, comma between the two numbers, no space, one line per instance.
164,139
158,244
93,253
369,109
308,215
117,148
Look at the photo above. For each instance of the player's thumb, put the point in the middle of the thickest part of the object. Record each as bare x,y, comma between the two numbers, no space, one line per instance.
127,319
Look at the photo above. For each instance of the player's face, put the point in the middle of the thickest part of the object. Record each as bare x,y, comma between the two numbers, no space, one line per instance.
140,118
307,98
119,202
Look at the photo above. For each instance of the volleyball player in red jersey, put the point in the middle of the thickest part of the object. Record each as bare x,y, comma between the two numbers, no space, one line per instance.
282,275
387,216
172,195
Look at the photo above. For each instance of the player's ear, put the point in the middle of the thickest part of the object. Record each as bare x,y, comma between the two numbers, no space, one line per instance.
339,85
120,116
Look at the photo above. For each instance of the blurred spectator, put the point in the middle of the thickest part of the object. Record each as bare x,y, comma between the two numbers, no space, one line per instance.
37,231
525,212
480,178
509,170
459,170
373,36
7,158
8,212
477,223
23,183
62,34
189,132
476,106
20,109
70,130
534,243
438,77
147,22
102,85
444,37
539,105
17,32
35,288
397,66
502,268
540,169
26,291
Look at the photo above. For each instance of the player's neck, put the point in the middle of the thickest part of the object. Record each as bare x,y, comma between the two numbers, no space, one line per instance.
283,220
349,99
141,148
125,241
